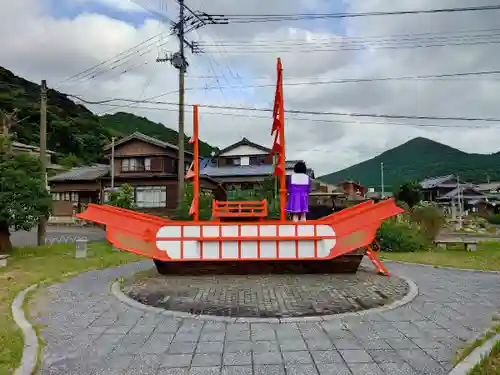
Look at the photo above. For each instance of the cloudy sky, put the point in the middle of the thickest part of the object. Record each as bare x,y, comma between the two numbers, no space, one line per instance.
57,39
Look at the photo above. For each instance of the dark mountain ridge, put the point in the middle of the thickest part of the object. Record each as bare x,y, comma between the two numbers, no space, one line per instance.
417,159
73,131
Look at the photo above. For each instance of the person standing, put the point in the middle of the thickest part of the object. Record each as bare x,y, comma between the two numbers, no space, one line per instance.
299,187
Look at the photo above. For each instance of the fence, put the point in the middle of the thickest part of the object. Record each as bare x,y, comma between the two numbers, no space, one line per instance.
64,239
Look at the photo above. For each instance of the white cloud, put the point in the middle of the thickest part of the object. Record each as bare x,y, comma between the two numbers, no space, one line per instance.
41,47
123,5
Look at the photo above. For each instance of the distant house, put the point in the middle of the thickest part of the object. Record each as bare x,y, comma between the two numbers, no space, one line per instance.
353,190
21,147
243,165
490,187
149,165
469,193
435,187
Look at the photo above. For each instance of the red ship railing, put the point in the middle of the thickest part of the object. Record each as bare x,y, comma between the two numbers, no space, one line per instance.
239,209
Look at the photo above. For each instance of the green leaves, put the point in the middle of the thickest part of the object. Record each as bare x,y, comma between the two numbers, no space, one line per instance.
123,197
23,194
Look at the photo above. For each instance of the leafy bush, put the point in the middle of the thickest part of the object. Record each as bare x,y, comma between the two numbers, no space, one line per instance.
410,192
430,219
494,219
397,236
204,204
123,197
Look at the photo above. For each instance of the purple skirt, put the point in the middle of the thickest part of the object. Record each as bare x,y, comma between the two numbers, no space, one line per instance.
298,203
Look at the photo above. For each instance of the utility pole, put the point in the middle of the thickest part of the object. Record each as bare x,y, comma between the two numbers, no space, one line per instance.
192,21
459,200
43,154
112,162
382,194
182,72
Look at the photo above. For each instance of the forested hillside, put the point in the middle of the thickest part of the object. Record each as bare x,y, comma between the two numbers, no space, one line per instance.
122,123
417,159
73,131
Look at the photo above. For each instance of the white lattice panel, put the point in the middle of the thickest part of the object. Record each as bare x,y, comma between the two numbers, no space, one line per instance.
192,242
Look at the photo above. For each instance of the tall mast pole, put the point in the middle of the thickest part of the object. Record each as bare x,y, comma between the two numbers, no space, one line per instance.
196,165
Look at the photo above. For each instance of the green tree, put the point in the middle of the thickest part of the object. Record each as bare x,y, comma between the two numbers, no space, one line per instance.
122,197
204,204
23,194
410,192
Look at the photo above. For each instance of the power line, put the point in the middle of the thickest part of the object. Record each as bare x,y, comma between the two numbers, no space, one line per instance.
305,119
253,18
403,36
313,48
354,114
358,80
119,55
357,40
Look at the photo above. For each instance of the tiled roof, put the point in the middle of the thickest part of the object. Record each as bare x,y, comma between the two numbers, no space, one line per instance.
244,170
89,173
431,182
29,147
145,138
489,186
454,192
244,142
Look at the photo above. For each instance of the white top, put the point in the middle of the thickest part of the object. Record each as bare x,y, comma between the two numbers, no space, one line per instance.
299,179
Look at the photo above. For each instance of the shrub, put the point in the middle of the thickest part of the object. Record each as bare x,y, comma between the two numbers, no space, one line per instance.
430,219
204,204
123,197
494,219
397,236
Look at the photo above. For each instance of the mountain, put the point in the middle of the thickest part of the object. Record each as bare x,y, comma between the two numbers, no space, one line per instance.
71,128
73,132
122,123
417,159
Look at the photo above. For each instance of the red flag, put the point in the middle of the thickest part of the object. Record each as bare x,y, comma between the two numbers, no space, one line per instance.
192,209
190,172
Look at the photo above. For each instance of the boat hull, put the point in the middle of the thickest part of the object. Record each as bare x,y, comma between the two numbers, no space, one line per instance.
164,240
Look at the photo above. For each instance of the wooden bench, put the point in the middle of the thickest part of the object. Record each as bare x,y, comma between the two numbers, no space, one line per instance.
470,244
237,210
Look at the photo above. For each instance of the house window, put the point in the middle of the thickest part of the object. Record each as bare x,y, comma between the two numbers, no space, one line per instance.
245,160
74,196
234,161
125,165
136,164
151,196
133,165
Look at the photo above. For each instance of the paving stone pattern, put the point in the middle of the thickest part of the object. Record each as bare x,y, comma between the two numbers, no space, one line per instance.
267,295
89,332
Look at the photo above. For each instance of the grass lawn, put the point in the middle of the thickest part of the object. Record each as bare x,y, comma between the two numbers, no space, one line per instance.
27,266
490,365
486,257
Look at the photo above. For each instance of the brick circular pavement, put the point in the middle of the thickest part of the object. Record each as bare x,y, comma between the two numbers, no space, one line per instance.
265,296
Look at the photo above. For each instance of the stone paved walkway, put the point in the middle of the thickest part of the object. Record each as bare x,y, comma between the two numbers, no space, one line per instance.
89,332
261,296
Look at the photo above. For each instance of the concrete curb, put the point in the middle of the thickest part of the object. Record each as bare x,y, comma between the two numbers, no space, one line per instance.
122,297
465,366
440,267
30,350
